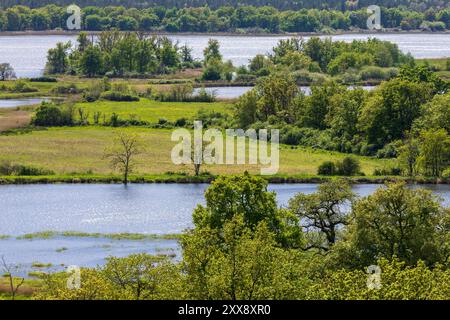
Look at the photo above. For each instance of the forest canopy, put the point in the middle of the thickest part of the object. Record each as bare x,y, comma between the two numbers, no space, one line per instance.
238,19
279,4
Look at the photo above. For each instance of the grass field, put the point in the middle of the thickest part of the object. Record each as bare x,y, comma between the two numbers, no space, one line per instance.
12,118
150,110
80,150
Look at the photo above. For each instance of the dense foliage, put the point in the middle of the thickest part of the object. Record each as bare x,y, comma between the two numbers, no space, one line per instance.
281,4
317,60
117,54
234,252
406,116
292,18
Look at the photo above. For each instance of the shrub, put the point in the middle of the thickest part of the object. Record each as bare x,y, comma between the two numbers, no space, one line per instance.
43,79
328,168
23,87
387,172
118,96
348,167
49,114
377,73
446,174
204,96
162,121
176,93
180,122
95,90
70,88
9,169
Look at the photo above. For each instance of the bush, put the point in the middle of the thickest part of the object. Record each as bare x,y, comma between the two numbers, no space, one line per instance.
348,167
162,121
43,79
204,96
118,96
70,88
446,174
377,73
50,115
23,87
180,122
94,91
328,168
211,74
387,172
176,93
9,169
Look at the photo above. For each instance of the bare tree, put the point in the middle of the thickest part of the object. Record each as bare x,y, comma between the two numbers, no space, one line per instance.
198,155
6,72
121,154
14,282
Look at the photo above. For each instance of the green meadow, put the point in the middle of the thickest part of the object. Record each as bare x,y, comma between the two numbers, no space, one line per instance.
151,110
80,150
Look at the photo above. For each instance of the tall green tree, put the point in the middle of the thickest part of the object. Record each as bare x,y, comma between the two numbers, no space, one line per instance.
391,111
57,58
434,155
323,213
398,221
91,62
247,196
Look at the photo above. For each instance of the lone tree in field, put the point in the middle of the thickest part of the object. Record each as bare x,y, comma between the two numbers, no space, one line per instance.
125,147
6,72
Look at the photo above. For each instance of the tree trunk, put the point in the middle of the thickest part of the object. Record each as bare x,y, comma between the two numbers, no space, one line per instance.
125,177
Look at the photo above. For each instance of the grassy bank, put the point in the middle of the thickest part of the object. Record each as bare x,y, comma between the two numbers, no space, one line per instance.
183,179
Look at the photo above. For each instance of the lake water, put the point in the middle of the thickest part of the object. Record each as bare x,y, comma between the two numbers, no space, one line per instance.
236,92
111,208
12,103
27,54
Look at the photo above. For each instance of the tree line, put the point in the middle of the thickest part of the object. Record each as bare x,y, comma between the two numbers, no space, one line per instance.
244,247
418,5
222,19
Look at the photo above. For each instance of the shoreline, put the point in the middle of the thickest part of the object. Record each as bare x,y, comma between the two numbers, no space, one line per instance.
180,179
228,34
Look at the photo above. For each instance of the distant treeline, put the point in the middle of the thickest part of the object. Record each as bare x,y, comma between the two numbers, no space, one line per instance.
418,5
223,19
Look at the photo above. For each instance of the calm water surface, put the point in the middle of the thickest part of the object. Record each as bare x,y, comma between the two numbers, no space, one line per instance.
104,208
236,92
12,103
27,54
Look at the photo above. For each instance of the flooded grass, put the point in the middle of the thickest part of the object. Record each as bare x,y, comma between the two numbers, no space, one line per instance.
113,236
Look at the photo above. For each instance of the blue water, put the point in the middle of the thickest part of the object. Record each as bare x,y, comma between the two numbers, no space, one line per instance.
12,103
27,54
111,208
